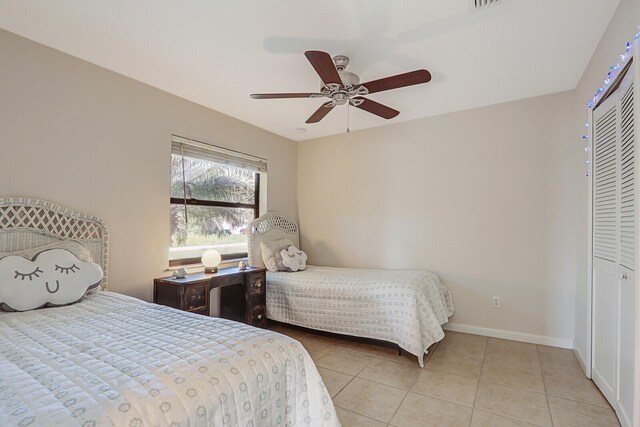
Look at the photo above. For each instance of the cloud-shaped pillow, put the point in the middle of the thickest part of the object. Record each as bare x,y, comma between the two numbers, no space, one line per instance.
294,259
53,277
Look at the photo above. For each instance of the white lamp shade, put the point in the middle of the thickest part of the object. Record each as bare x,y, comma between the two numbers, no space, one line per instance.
211,258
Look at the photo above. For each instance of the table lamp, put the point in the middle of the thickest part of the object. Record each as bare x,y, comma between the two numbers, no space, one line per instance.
210,260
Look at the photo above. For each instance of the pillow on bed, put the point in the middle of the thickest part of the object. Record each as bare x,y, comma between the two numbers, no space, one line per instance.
294,259
52,277
271,253
75,247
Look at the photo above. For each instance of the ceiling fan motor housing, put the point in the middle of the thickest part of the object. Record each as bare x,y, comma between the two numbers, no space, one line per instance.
341,94
349,79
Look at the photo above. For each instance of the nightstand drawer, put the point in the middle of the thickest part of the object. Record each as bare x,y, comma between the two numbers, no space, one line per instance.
256,283
195,297
258,315
256,299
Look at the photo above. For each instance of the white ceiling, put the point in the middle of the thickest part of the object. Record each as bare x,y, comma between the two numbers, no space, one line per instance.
216,52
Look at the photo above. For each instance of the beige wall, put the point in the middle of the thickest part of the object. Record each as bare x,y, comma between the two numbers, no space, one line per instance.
485,198
98,142
622,28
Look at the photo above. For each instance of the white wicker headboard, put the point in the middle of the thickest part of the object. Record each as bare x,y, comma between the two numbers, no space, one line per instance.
28,223
270,226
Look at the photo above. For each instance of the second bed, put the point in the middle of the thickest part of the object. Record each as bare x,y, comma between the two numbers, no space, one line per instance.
405,307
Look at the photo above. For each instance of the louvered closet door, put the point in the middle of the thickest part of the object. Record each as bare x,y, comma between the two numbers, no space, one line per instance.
614,249
627,242
605,247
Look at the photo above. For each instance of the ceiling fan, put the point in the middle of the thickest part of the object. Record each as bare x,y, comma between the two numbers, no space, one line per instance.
342,86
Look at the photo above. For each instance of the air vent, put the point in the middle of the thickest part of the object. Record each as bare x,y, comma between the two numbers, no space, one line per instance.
483,4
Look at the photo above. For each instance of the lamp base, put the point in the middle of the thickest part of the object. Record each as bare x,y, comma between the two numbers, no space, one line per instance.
210,270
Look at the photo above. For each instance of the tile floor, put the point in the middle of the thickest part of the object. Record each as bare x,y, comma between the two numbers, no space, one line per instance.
468,380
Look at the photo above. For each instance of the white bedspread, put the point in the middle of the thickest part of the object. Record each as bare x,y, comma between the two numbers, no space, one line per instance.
113,360
406,307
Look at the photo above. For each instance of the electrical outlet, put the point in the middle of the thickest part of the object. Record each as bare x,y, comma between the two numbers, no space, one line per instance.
496,302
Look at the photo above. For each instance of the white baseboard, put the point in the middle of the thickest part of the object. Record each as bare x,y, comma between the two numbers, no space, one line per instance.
510,335
578,354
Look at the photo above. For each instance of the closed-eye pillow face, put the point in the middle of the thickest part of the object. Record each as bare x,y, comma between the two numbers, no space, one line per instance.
53,277
294,259
76,247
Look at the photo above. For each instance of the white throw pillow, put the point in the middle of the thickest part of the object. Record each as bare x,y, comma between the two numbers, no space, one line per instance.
53,277
270,251
75,247
294,259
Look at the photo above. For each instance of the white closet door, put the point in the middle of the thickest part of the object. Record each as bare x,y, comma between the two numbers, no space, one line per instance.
627,240
605,247
614,249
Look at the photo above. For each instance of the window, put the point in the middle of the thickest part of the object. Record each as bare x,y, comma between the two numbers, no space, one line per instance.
215,193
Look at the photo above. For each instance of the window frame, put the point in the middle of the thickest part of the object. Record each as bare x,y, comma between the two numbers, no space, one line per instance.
218,204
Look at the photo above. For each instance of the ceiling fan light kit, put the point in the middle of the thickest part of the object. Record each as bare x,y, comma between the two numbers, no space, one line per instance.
342,86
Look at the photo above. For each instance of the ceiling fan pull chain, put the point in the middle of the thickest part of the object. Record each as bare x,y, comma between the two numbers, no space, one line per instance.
348,130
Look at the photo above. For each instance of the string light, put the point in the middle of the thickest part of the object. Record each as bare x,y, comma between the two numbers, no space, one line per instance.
587,149
614,70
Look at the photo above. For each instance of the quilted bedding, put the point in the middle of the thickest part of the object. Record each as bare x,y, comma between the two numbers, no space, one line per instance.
406,307
113,360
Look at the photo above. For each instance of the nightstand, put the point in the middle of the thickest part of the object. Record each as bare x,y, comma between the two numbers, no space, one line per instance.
242,294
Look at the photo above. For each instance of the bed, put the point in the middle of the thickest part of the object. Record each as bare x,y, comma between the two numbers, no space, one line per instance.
119,361
405,307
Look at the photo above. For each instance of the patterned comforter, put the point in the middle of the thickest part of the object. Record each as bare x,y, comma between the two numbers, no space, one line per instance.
113,360
406,307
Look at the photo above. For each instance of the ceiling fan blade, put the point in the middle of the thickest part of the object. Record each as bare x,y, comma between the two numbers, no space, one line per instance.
285,95
376,108
400,80
321,112
324,66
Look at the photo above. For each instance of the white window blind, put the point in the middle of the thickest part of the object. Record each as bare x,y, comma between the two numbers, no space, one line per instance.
605,215
208,152
627,181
